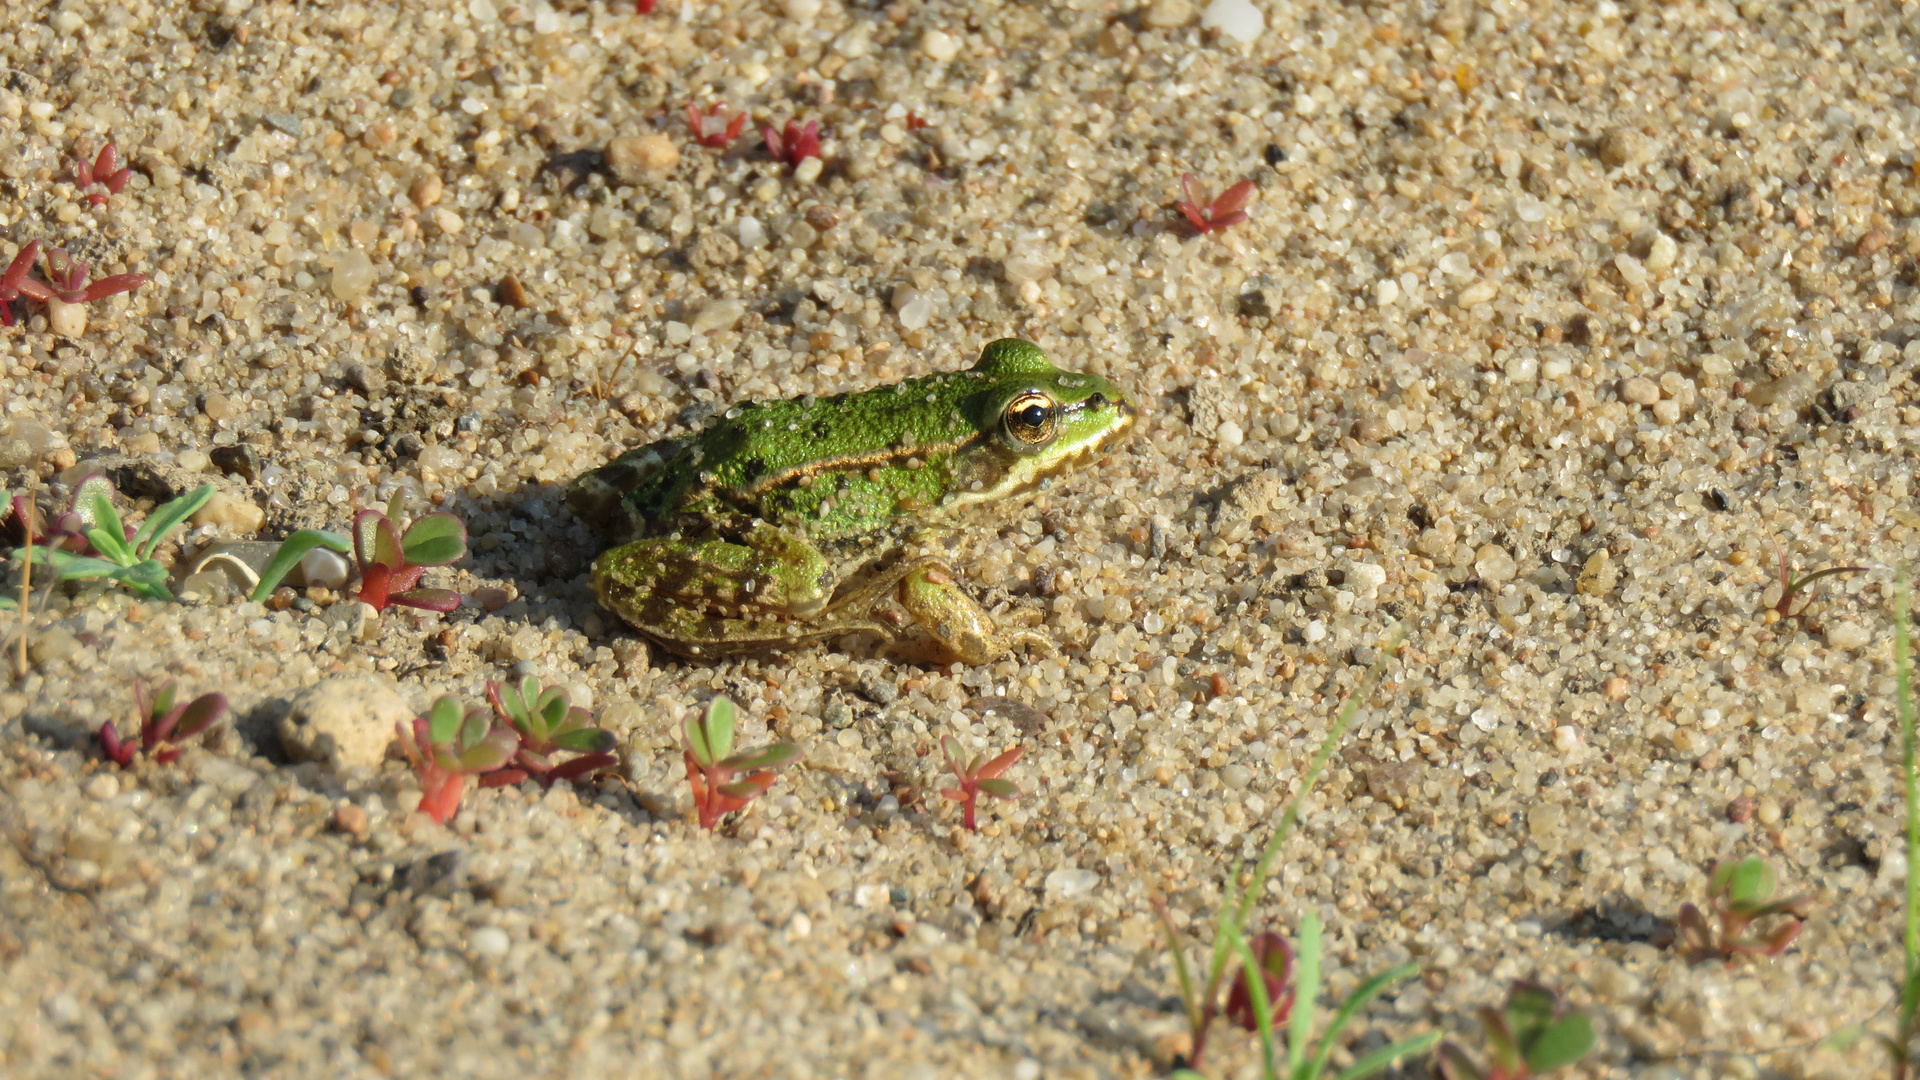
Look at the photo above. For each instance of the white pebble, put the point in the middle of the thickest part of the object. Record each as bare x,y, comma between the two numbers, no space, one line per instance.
916,313
808,171
939,45
66,320
1529,209
352,276
322,566
752,233
193,461
1315,632
1661,253
1386,292
1236,19
489,941
1847,635
801,10
1566,739
719,315
102,787
1229,434
1070,882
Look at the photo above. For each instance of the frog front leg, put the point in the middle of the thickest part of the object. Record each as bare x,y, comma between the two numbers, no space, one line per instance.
713,597
956,620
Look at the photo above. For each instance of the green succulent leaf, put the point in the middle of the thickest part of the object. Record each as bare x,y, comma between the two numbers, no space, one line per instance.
489,753
740,789
767,757
71,567
1751,879
288,555
586,741
1562,1043
200,714
94,503
443,720
1529,1010
1000,789
435,540
153,532
474,727
710,737
162,702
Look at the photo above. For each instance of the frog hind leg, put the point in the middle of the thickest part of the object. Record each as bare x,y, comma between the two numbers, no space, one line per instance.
962,630
715,597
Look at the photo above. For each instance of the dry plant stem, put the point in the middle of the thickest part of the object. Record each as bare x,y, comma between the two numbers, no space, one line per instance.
26,573
1201,1013
1901,1046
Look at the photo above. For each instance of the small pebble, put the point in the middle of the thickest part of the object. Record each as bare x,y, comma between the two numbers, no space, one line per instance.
1741,810
352,276
344,722
351,819
1167,14
231,514
1237,20
634,158
939,45
102,786
426,190
66,320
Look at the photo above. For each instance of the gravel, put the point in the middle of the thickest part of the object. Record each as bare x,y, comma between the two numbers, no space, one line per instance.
1565,321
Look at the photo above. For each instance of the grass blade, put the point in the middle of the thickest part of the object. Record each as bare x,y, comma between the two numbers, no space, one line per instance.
288,555
154,530
1381,1060
1361,996
1306,997
1262,1008
1903,688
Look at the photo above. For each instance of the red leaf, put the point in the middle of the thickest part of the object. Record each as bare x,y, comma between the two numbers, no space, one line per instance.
108,286
1231,201
373,586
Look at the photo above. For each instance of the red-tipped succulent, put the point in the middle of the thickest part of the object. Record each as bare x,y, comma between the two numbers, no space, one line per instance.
975,776
449,744
712,766
1229,209
1739,894
794,144
392,561
164,726
548,724
712,129
14,283
67,281
101,178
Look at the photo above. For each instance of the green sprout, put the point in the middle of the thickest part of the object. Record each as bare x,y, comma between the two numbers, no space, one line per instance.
548,723
1740,894
449,744
1532,1035
108,549
712,764
1306,1058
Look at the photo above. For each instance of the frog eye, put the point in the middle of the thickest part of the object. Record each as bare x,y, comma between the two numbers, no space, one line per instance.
1029,420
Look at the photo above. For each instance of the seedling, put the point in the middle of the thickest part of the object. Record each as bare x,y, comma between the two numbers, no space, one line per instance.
712,766
976,776
391,562
1228,209
449,744
112,551
795,144
1306,1058
164,726
67,281
711,129
1791,586
1740,894
1533,1035
548,724
103,177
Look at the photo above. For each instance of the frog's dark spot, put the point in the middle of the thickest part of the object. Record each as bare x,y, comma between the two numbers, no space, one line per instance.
753,470
821,429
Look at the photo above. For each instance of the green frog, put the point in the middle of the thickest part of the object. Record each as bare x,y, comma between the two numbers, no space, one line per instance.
789,522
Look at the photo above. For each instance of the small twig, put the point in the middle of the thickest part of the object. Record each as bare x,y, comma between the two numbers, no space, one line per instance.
26,570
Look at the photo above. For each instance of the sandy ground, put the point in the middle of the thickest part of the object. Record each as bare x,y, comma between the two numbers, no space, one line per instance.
1552,325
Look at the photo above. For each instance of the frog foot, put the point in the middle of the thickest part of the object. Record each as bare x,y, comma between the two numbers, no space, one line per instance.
961,629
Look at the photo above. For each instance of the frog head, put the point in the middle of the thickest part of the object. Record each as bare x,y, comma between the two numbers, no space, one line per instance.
1037,421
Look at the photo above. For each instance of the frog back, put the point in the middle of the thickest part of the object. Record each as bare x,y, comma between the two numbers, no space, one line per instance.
835,467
